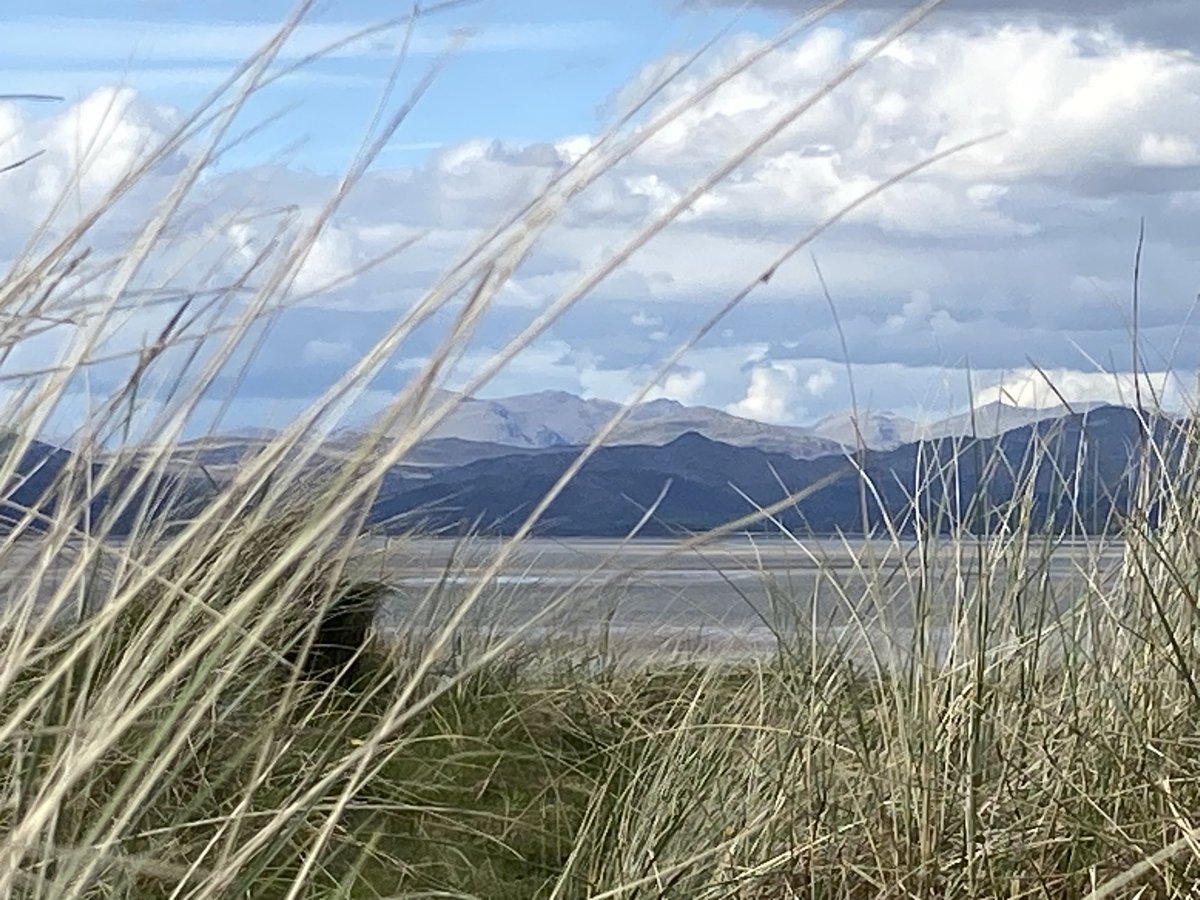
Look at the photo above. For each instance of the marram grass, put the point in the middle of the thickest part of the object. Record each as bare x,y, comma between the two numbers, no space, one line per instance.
176,722
1063,761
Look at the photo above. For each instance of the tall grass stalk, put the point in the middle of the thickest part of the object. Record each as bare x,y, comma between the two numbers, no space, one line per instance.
950,714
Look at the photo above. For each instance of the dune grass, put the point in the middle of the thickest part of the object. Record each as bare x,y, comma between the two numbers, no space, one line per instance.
1026,757
172,723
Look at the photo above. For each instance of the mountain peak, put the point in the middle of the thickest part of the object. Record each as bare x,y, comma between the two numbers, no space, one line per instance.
878,429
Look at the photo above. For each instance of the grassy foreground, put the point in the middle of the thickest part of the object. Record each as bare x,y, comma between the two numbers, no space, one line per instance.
1031,744
175,723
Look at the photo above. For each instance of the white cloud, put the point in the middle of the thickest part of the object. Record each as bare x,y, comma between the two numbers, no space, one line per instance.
1070,113
769,395
1028,387
330,261
685,387
819,382
87,149
1168,150
1020,250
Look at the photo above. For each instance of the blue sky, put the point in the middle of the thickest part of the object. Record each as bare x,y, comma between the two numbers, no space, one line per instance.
527,70
991,269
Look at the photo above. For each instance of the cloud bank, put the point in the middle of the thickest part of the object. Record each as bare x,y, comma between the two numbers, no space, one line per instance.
1166,23
1014,255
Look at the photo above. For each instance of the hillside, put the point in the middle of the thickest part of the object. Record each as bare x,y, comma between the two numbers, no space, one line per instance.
548,419
451,484
707,480
878,430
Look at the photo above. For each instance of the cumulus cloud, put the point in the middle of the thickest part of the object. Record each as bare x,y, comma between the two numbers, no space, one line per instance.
769,395
1080,107
98,142
1028,387
1018,250
684,387
81,154
329,262
819,382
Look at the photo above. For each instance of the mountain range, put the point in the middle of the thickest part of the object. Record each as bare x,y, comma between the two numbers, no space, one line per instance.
487,466
550,419
694,484
559,419
887,431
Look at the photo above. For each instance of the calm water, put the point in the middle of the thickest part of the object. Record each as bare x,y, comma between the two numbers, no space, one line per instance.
734,596
737,595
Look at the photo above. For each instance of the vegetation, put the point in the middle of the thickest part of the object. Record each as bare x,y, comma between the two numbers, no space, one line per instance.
189,712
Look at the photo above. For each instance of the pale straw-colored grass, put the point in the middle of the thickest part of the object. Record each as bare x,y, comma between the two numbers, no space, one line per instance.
159,736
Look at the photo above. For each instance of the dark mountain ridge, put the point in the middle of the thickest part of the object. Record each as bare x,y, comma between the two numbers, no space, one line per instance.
1074,472
47,478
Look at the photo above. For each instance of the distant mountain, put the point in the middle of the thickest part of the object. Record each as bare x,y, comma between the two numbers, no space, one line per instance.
886,430
46,477
444,453
31,486
224,449
543,419
559,419
711,483
453,485
661,421
997,417
477,428
878,430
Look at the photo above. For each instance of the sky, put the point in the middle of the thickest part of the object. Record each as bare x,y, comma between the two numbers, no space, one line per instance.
985,276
